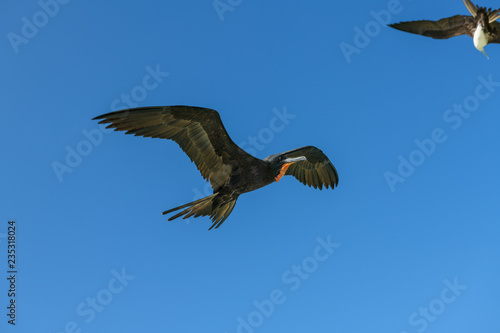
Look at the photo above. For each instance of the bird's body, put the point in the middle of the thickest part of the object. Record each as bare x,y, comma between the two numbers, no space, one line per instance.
230,170
481,26
480,39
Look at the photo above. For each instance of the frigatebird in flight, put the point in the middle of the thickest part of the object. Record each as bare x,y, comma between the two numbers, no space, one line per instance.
231,171
481,26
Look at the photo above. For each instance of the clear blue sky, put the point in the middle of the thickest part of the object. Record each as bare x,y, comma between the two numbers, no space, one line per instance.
408,242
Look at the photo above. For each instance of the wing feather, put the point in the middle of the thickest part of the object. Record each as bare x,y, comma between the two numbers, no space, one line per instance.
442,29
198,131
471,7
317,171
495,34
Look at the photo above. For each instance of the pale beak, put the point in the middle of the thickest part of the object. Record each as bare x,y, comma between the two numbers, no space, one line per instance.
295,159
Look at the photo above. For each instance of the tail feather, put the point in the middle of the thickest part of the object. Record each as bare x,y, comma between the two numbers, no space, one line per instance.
186,205
217,206
222,213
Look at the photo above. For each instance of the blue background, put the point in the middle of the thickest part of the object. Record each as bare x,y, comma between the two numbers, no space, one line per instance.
362,98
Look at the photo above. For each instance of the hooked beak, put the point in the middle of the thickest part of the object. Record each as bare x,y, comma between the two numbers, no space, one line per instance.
295,159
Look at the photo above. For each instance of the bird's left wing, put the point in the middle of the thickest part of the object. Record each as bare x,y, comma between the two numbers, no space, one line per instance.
317,171
198,131
442,29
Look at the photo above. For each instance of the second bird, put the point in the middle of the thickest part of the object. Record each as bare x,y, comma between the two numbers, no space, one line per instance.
481,26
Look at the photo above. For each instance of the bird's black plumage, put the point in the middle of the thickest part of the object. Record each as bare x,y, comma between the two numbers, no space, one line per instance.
230,170
458,25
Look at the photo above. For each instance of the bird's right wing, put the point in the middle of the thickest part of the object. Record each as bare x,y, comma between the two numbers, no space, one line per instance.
198,131
495,37
443,29
317,171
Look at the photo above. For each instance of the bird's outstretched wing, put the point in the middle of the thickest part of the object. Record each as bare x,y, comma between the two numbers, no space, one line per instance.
442,29
317,171
198,131
495,35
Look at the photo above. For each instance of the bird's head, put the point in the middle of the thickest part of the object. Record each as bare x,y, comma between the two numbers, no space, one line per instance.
280,163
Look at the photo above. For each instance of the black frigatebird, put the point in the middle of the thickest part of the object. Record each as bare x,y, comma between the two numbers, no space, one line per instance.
481,26
230,170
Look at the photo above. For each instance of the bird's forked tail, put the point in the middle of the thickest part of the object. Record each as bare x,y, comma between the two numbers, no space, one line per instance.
217,206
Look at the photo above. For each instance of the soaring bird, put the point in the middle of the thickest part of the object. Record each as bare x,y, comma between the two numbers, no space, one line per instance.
481,26
231,171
